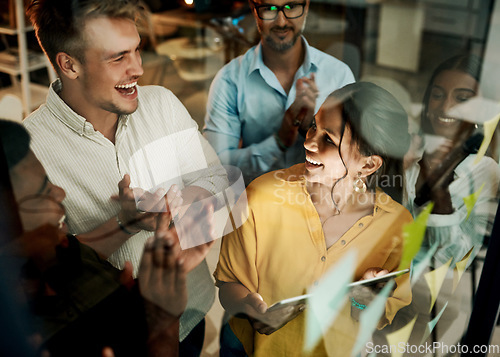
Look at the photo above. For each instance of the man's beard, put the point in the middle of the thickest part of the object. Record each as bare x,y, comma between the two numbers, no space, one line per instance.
282,46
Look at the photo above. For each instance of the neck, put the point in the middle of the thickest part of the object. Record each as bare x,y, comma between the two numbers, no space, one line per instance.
344,199
102,120
284,61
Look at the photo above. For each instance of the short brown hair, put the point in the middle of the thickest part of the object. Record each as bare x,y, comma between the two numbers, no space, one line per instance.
58,23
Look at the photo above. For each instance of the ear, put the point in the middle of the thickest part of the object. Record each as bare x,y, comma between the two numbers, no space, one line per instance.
68,66
371,164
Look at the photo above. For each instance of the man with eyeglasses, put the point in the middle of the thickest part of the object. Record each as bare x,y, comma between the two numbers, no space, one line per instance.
261,104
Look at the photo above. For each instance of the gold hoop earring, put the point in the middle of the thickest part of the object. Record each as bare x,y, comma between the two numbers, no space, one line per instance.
359,185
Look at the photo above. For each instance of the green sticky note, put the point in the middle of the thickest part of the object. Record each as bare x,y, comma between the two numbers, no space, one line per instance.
413,236
470,201
327,299
419,268
370,317
431,324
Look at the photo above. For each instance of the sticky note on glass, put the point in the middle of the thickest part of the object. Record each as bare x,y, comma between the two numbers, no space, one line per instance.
399,337
370,317
435,280
470,201
431,324
413,236
460,268
419,267
327,299
479,110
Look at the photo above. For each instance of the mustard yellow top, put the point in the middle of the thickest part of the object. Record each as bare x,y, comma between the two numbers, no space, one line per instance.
280,251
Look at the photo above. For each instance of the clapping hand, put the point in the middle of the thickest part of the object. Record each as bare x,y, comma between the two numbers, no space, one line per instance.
301,112
140,208
162,273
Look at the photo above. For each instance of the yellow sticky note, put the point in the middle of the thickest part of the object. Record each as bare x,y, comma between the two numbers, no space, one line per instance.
489,131
482,111
470,201
460,268
413,236
435,280
401,336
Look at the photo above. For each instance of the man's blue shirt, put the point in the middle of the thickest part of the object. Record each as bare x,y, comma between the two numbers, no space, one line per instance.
246,105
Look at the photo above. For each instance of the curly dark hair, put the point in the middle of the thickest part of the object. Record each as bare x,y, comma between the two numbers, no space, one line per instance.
379,126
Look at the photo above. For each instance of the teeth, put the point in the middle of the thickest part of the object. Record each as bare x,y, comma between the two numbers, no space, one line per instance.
313,162
447,120
126,86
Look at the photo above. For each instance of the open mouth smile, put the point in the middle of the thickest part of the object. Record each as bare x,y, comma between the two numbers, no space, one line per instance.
127,89
446,120
313,162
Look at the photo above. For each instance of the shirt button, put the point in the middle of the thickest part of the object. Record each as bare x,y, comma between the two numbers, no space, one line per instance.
323,258
342,242
360,225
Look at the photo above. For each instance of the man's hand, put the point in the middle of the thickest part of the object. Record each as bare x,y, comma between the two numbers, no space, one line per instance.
140,208
266,322
301,112
162,274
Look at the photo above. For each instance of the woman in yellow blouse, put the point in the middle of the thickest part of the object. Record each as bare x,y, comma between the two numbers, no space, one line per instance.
304,219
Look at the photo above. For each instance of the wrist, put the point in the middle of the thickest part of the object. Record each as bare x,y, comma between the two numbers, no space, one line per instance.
125,227
283,147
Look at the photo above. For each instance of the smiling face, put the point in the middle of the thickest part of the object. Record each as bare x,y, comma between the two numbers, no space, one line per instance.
450,87
323,161
39,201
280,34
112,66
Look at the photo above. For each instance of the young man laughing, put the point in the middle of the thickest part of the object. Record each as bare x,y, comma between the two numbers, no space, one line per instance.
99,128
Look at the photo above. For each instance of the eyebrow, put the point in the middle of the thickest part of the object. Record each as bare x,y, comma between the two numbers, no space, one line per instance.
122,53
456,89
116,55
332,134
44,185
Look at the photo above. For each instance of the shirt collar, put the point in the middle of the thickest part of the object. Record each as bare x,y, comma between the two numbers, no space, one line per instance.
67,115
308,66
385,202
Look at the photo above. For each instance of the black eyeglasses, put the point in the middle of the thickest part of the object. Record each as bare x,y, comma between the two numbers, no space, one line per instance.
292,10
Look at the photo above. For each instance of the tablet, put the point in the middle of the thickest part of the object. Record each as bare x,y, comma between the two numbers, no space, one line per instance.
302,299
379,279
297,300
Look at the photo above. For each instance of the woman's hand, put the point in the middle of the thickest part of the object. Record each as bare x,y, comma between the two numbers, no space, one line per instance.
266,322
431,173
